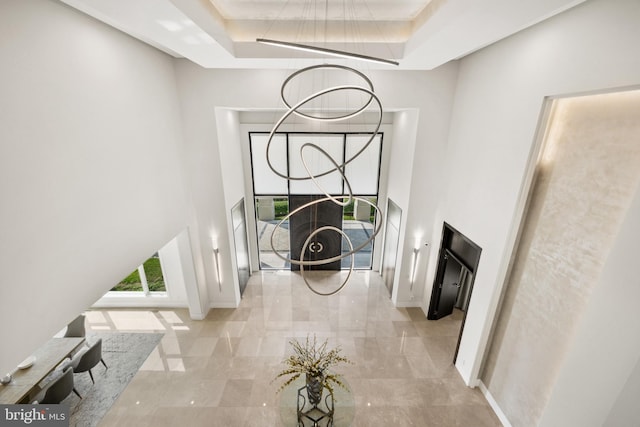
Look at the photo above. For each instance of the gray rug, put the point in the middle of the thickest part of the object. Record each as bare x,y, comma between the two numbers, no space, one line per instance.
124,354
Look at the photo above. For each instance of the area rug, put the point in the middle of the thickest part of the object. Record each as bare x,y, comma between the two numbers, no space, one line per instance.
123,353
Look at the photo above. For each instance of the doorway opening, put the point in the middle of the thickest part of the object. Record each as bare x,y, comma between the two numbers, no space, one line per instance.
280,239
458,260
391,242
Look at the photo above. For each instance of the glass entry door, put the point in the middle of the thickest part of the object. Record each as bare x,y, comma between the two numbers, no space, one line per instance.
274,195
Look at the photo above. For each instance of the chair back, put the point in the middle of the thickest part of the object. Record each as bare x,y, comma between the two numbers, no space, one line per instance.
89,358
59,389
76,327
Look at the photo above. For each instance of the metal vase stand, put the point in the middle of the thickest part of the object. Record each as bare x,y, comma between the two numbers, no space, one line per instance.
318,415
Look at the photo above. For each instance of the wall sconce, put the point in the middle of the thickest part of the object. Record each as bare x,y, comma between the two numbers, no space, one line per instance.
216,256
414,266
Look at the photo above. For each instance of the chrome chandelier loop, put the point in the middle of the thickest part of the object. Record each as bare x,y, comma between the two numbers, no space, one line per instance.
327,66
301,104
304,248
343,200
337,257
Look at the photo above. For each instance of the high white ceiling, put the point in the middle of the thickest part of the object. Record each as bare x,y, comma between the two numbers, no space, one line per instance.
419,34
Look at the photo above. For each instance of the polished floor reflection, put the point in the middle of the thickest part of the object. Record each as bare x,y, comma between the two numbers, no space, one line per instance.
357,231
219,371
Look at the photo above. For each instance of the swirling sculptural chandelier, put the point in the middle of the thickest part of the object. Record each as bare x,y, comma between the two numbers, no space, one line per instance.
342,200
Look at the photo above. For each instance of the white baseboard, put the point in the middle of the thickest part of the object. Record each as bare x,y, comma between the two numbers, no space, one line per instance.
138,301
223,304
197,316
410,303
494,405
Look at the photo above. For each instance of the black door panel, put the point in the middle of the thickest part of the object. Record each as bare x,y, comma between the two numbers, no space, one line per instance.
449,286
324,245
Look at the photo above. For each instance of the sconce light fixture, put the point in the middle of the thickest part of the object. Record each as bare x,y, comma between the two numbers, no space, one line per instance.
216,255
414,265
414,268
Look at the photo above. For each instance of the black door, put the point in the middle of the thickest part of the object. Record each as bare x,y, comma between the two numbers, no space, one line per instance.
448,287
458,262
327,243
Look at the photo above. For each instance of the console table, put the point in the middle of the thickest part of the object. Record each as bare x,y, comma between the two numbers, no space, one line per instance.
295,409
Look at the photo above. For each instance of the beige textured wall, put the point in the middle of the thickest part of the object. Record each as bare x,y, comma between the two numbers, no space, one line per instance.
588,174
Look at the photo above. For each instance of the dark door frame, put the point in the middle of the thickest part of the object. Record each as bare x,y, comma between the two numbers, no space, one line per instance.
467,253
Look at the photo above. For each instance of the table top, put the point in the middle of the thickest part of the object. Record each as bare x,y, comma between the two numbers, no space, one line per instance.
47,358
344,404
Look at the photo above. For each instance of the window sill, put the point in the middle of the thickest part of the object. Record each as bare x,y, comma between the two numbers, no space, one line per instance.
137,299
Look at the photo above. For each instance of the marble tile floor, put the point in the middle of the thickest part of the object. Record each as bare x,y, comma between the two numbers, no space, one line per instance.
219,371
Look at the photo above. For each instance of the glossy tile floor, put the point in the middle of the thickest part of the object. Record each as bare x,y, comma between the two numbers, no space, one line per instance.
219,371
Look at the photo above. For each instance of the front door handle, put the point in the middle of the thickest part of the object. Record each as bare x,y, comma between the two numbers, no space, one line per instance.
316,247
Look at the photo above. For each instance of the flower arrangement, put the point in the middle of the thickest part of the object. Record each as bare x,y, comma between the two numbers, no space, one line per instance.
313,361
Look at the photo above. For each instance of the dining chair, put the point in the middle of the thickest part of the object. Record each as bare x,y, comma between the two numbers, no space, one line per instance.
87,359
76,327
58,390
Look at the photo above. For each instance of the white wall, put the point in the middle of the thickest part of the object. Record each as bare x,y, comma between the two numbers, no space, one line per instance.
498,101
205,96
174,280
233,181
89,178
601,367
399,186
172,271
625,411
420,137
585,182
